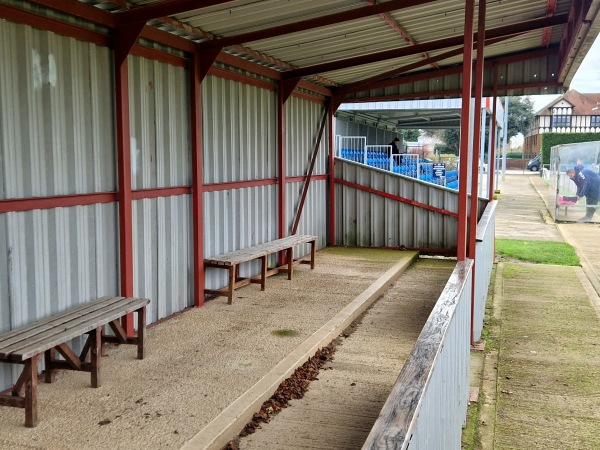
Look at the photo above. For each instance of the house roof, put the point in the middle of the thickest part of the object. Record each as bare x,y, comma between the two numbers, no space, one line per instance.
382,50
582,104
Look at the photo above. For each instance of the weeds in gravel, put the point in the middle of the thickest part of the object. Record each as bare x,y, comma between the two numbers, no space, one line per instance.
285,333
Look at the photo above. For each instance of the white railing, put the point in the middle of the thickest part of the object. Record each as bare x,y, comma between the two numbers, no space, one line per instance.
428,404
484,264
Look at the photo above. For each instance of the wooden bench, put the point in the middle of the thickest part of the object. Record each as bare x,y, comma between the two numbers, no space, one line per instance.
232,260
27,344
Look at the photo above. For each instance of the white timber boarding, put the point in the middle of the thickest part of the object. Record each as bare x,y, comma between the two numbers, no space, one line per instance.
58,138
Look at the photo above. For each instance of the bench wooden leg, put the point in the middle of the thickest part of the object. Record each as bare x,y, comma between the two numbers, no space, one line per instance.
263,272
49,372
31,384
290,262
232,276
312,254
141,332
95,355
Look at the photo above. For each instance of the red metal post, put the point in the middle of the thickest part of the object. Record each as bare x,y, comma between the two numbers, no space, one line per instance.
492,155
476,148
281,181
331,179
477,130
461,250
124,173
197,180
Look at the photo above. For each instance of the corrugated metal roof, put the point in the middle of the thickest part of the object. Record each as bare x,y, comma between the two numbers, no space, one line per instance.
297,44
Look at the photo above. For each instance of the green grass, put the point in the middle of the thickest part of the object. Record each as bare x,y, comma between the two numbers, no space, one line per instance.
541,252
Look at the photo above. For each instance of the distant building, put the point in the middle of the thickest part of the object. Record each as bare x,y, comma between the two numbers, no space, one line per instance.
573,112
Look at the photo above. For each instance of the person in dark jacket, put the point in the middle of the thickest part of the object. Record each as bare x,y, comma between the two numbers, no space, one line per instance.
396,149
588,186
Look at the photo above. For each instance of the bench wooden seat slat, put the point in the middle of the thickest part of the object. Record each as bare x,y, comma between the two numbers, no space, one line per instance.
232,260
76,326
256,251
19,334
56,318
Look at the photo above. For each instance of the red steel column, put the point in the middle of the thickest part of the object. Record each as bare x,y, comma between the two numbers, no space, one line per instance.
461,250
476,148
281,161
124,174
492,155
197,180
331,178
477,129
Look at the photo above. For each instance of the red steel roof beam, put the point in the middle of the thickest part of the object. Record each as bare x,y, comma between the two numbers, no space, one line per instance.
550,10
453,70
81,10
440,44
365,84
394,25
309,24
160,9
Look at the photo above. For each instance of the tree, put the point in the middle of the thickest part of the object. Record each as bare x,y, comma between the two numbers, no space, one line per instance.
410,135
451,138
520,116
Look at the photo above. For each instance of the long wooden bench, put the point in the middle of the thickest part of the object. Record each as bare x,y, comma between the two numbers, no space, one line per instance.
231,261
27,344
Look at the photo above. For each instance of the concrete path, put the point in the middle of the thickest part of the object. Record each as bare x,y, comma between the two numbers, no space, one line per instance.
541,383
340,408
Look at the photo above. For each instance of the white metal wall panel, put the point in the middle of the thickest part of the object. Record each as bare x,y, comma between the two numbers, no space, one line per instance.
375,136
314,214
54,259
159,108
368,219
302,122
236,219
56,115
163,254
239,126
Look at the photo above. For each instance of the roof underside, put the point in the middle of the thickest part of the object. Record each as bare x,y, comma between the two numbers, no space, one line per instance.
374,50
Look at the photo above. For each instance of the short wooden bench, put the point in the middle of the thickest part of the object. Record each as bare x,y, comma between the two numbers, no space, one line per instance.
232,260
27,344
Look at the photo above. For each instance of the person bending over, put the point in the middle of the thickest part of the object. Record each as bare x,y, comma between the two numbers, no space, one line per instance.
588,186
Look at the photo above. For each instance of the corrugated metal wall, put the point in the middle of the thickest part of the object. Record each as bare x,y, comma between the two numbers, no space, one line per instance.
56,119
57,138
240,144
367,219
159,109
163,254
239,125
55,259
303,120
235,219
161,157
